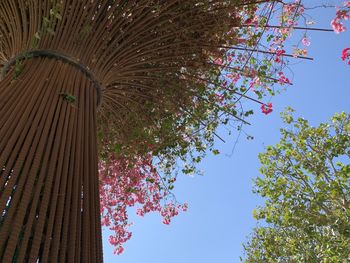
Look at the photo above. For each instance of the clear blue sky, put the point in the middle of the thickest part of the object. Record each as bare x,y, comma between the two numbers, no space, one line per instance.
221,202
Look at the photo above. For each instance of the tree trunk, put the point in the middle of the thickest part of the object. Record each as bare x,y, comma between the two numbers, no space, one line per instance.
49,195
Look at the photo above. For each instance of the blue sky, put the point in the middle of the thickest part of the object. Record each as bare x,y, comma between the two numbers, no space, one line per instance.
221,202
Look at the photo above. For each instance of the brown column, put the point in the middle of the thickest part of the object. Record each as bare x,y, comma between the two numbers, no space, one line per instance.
49,200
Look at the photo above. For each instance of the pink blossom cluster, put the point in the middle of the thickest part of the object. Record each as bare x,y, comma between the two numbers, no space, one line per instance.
346,55
283,79
290,11
341,15
126,184
338,26
288,21
276,37
306,41
266,108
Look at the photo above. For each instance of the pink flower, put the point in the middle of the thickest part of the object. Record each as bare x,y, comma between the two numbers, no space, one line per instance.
336,23
280,52
119,250
346,55
338,26
342,14
266,109
140,212
248,21
283,79
306,42
166,221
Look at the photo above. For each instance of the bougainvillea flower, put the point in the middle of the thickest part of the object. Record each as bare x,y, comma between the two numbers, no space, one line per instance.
266,108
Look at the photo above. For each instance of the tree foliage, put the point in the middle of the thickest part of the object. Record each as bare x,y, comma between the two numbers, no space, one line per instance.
306,186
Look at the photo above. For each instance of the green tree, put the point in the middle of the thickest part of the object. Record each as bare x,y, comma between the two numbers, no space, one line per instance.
305,183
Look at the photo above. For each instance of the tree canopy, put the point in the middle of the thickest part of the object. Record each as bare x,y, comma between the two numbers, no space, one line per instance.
305,183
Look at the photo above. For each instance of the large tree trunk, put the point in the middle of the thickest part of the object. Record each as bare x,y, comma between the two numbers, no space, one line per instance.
49,199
